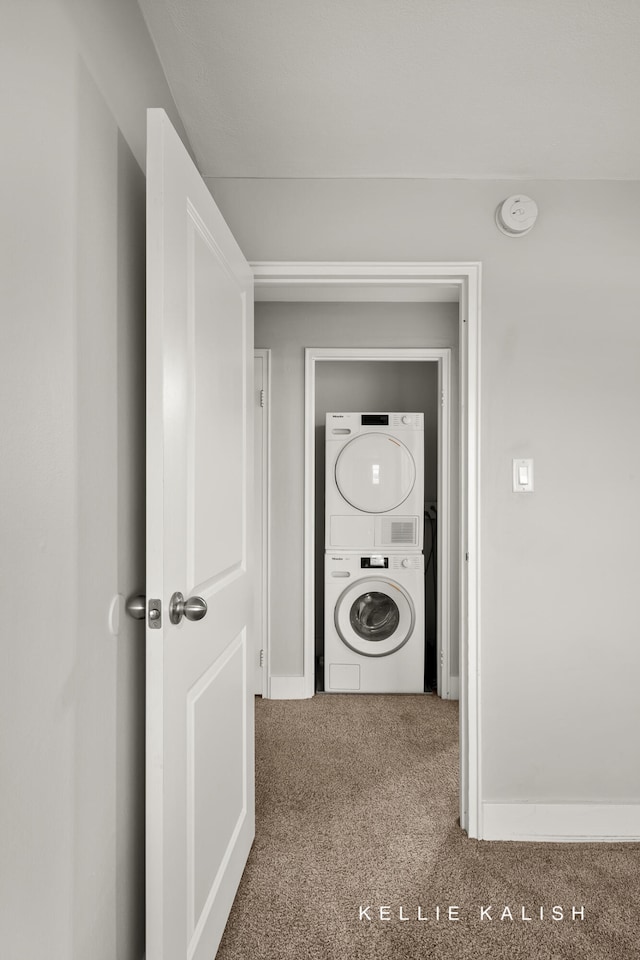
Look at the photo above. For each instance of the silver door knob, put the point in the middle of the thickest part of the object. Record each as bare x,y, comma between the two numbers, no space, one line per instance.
195,608
136,606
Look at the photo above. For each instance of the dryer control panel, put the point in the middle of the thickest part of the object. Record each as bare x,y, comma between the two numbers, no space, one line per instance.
341,425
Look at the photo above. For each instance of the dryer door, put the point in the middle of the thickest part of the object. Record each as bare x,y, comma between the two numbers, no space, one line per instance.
374,616
375,472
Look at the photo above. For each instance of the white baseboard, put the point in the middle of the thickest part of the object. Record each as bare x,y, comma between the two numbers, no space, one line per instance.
294,688
561,822
288,688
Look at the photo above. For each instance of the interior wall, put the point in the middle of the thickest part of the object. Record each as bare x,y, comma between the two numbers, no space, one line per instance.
560,341
80,76
287,328
372,386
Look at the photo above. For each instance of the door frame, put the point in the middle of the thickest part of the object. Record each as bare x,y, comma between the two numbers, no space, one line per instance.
441,356
461,282
264,558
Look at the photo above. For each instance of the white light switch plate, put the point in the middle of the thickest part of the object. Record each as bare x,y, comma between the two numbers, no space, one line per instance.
523,476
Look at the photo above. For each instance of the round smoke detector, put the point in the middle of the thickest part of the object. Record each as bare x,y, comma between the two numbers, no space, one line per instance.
516,215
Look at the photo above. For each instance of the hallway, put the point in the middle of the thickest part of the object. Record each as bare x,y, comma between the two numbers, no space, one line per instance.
357,806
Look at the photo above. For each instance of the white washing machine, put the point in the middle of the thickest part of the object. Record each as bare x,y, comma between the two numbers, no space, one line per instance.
374,623
374,488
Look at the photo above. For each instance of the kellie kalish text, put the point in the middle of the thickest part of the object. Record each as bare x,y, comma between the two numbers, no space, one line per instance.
485,913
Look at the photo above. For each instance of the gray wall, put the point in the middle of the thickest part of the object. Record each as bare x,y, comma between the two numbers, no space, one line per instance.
560,656
287,328
78,77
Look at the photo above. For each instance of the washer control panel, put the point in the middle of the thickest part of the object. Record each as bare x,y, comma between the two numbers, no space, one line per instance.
349,565
407,563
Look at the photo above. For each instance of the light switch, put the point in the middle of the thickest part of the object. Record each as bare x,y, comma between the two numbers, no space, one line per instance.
523,476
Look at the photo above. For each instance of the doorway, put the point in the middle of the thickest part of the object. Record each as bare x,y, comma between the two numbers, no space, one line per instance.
412,379
385,283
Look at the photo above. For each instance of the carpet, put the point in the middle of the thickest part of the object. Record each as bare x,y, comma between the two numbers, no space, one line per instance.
357,810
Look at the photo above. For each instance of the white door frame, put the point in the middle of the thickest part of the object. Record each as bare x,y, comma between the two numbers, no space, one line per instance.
442,357
420,281
265,552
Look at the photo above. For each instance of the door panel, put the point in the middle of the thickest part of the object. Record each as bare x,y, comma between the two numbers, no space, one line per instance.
217,450
200,785
216,775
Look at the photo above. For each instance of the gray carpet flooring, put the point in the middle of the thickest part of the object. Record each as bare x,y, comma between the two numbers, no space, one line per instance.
357,806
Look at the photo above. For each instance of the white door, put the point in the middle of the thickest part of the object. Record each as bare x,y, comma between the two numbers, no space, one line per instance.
200,785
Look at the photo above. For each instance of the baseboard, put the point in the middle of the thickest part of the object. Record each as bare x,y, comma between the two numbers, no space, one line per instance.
561,822
288,688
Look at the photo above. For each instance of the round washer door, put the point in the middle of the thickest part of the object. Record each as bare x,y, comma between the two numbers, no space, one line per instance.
375,472
374,616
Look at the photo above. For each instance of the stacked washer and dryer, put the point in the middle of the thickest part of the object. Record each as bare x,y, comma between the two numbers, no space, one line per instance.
374,566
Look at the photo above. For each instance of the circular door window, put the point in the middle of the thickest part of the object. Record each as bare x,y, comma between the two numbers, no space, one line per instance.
375,472
374,617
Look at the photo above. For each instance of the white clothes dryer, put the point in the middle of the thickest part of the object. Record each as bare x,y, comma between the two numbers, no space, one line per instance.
374,488
374,623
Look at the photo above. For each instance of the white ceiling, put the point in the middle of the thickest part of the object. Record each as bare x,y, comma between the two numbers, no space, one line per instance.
515,89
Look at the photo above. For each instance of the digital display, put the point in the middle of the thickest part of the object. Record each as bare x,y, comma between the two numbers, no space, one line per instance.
375,419
370,563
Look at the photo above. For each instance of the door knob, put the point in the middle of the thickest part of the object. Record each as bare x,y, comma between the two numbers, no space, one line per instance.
136,606
195,608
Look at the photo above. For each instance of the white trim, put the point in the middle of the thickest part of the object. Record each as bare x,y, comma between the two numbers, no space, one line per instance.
278,273
454,688
561,822
443,559
348,293
265,356
308,565
289,688
466,278
470,637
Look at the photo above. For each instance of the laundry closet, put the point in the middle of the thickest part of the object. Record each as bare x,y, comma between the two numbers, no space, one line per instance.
396,403
373,638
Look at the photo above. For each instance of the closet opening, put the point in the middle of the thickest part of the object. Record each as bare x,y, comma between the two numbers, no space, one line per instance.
385,506
304,309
